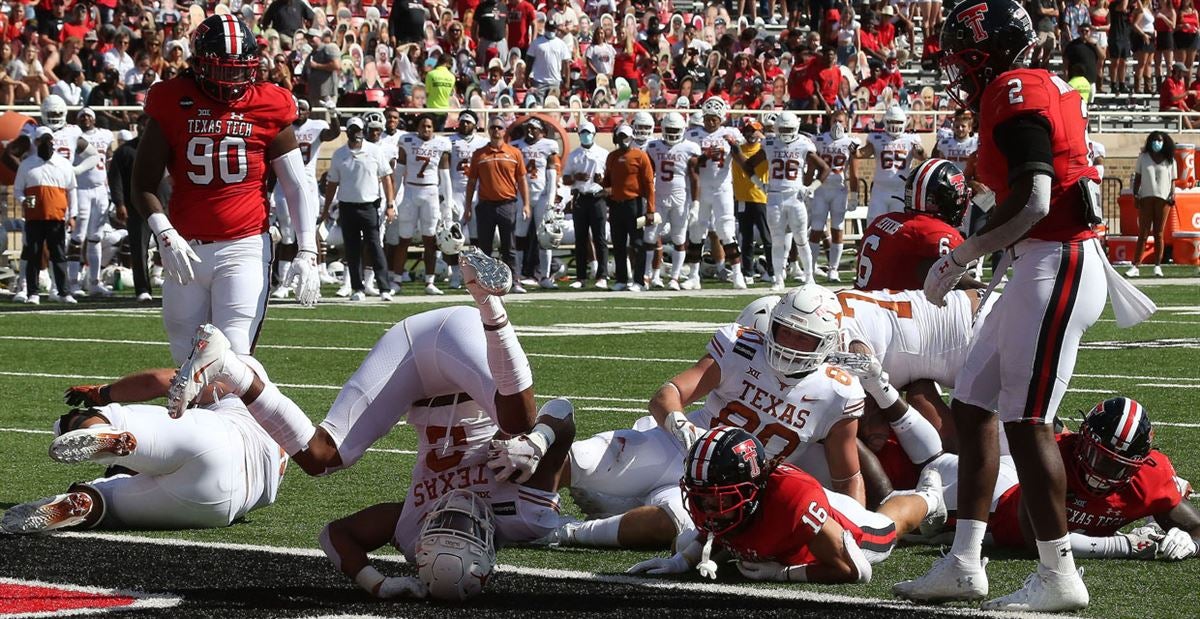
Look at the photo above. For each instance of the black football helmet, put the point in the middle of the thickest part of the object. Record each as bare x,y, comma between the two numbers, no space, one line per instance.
1116,438
224,57
980,40
938,187
725,471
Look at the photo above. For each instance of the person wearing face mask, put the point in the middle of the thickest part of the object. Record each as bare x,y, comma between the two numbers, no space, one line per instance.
45,182
831,200
583,173
551,60
1154,189
629,178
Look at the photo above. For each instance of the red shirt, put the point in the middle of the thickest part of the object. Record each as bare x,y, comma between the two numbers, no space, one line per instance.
896,244
625,65
520,22
800,80
887,33
869,40
217,155
1170,89
792,509
830,80
875,86
78,31
1036,91
1151,491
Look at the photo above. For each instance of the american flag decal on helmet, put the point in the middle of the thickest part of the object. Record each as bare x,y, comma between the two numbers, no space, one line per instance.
1127,428
233,34
704,455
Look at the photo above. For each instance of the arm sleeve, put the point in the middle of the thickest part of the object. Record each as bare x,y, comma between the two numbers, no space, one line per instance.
1025,142
302,206
90,159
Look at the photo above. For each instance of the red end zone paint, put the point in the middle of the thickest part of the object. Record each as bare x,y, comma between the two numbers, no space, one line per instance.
25,598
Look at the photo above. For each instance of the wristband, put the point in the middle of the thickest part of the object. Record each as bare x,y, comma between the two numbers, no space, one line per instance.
369,579
542,436
105,394
884,394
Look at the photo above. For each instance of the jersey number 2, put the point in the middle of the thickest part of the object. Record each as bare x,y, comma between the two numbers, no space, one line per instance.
211,158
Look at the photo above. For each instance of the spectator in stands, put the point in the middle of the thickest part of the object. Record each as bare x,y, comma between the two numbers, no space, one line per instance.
829,79
1074,15
489,30
869,41
110,92
1143,45
324,65
439,88
28,75
847,37
1164,38
625,63
629,179
286,17
1081,56
583,172
1154,189
1045,14
45,183
1172,96
498,173
521,16
1186,28
551,60
70,87
118,57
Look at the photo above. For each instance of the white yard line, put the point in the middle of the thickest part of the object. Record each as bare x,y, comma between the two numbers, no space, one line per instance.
768,592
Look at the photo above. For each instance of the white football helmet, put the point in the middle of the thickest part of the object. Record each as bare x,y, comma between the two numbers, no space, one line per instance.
757,315
54,112
787,127
643,127
449,237
673,127
550,230
810,310
456,552
715,106
696,120
768,121
894,121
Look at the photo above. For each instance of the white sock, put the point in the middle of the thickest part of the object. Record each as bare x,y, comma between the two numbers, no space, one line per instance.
21,277
677,258
695,271
368,277
282,419
346,277
94,261
720,266
1087,547
835,254
917,436
968,540
507,360
73,269
598,533
648,272
547,260
806,260
815,250
656,272
592,266
1056,555
429,279
236,373
282,269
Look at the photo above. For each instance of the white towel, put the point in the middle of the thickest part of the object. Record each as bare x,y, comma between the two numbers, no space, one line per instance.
1128,303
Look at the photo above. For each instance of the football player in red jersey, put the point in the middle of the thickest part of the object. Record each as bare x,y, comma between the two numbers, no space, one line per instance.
1033,155
216,129
899,248
1114,477
779,523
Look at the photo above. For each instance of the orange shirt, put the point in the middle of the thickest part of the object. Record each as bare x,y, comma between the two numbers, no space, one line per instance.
496,170
50,184
628,175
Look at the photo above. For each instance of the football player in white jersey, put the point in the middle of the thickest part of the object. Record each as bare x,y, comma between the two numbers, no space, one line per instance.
310,134
463,143
1096,154
423,161
893,148
832,199
91,195
715,202
775,384
792,163
68,141
643,129
459,376
960,146
542,164
207,470
675,162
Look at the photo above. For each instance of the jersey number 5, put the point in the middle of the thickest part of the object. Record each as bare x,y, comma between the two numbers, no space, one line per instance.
210,158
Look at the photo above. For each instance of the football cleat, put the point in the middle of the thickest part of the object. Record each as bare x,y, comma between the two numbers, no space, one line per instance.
949,580
673,284
1044,591
99,443
492,275
430,289
601,283
48,514
281,292
202,367
930,483
564,535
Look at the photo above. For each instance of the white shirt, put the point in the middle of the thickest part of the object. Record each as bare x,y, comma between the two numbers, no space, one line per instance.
55,172
589,161
101,140
601,58
548,55
357,172
70,93
1157,178
116,59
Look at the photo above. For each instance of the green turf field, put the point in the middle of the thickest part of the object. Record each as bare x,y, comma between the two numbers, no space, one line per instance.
609,354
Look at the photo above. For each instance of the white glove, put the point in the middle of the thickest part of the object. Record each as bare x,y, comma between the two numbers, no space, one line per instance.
1176,546
683,430
675,564
401,587
874,380
943,276
1143,542
177,256
303,278
765,570
517,458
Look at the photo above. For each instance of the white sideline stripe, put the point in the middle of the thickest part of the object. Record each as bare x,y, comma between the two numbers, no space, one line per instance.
140,600
698,587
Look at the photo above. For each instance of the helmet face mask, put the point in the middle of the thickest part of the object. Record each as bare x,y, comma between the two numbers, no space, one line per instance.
1116,439
225,66
894,121
54,112
787,127
673,127
456,550
449,238
643,127
724,475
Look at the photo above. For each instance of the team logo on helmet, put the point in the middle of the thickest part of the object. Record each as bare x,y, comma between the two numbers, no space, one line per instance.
973,17
749,453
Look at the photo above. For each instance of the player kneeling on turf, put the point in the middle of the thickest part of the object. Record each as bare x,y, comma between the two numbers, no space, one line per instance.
780,524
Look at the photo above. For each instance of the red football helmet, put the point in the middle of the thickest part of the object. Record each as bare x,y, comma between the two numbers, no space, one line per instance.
224,57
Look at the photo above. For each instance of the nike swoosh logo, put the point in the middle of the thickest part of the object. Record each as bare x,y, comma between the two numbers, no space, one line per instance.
198,374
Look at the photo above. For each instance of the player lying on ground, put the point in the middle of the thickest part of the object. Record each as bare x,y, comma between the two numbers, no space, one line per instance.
776,383
442,358
207,470
779,524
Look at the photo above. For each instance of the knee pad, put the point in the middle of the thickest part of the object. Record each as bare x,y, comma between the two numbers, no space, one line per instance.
95,237
72,420
732,252
693,253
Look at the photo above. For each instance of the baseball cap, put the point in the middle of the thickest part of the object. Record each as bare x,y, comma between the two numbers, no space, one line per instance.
355,122
588,127
42,132
750,123
624,130
1179,66
495,63
496,121
87,111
